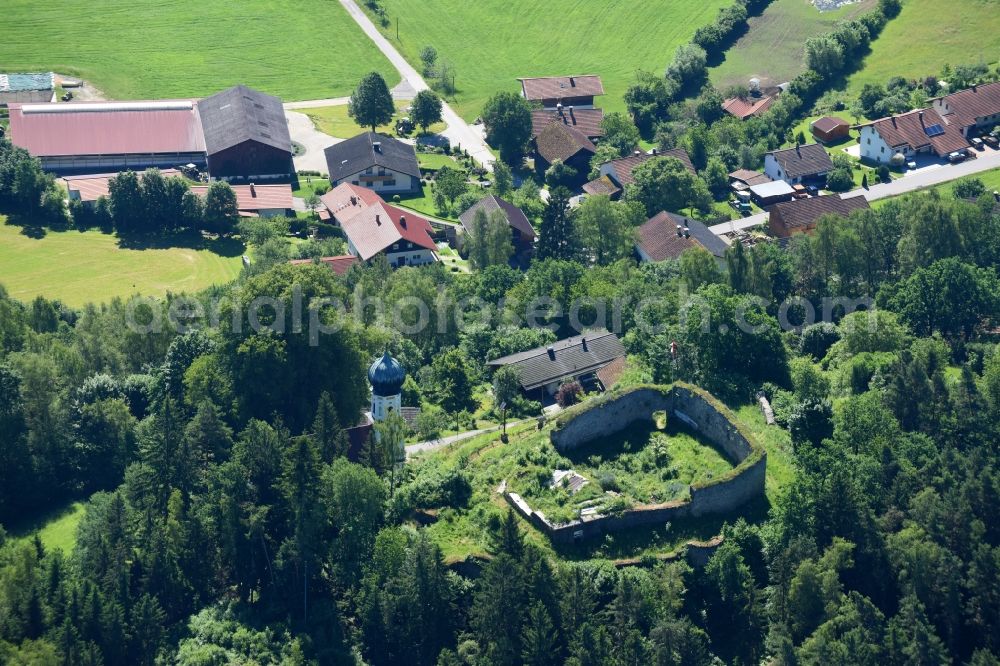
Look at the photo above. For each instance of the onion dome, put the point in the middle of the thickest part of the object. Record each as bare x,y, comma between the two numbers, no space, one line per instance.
386,376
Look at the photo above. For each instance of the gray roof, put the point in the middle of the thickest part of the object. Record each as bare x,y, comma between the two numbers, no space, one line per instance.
358,153
567,358
807,160
242,114
26,82
515,216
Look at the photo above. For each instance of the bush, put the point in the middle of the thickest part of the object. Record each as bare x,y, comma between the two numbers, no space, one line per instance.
972,188
569,393
817,339
884,175
840,180
811,421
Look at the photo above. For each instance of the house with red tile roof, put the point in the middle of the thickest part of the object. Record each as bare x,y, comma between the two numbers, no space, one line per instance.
617,174
747,107
373,227
972,109
339,264
578,90
922,131
668,235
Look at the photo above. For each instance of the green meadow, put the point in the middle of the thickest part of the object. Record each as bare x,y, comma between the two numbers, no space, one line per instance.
82,267
186,48
493,42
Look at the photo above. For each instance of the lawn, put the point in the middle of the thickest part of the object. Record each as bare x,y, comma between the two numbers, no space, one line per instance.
187,48
56,529
493,42
81,267
334,121
928,34
527,461
772,49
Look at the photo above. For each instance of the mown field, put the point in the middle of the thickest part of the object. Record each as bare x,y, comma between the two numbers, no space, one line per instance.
493,42
56,529
927,35
187,48
335,121
772,49
81,267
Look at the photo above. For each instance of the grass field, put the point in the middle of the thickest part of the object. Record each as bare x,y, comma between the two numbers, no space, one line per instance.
991,179
928,34
187,48
78,268
492,42
334,121
57,529
772,49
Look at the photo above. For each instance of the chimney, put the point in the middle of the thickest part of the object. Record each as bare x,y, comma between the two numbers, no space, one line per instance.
354,200
378,220
687,231
974,86
253,191
552,353
656,151
571,115
894,121
377,146
679,231
920,114
559,108
583,341
572,82
637,153
402,221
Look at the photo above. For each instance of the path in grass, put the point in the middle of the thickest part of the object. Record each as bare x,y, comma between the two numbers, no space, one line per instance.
928,34
188,48
773,47
79,268
492,42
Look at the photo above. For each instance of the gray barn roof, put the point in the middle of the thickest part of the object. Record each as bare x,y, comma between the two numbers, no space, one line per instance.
571,357
242,114
360,152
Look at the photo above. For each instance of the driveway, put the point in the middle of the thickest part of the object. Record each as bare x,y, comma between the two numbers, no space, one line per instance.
435,444
461,134
314,142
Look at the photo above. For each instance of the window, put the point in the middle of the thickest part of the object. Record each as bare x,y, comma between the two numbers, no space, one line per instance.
395,246
881,150
869,141
354,182
368,171
390,183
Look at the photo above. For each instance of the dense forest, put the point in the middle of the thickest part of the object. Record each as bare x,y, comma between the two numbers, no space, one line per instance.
225,523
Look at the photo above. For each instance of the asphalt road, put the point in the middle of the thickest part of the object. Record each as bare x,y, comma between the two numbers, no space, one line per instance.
927,176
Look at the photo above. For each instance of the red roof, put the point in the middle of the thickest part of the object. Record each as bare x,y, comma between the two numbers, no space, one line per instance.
107,128
561,87
346,200
623,167
93,187
257,197
377,228
965,107
339,265
744,108
910,129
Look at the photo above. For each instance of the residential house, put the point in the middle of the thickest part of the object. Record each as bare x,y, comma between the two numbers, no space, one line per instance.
616,174
587,120
380,163
668,235
373,227
922,131
972,109
549,91
743,179
830,129
88,188
801,215
246,135
541,371
27,88
795,165
566,144
522,233
747,107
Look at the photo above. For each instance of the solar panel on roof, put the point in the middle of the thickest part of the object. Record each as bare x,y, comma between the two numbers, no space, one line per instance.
934,130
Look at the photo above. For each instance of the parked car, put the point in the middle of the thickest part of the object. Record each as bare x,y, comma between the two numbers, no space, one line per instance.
977,144
992,141
956,157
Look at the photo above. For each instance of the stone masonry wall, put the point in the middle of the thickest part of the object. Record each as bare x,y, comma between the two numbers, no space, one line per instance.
616,411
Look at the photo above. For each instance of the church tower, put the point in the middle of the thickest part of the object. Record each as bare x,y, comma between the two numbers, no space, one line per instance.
386,376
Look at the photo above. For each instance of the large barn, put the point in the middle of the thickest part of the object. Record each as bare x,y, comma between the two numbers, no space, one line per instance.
237,134
246,135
